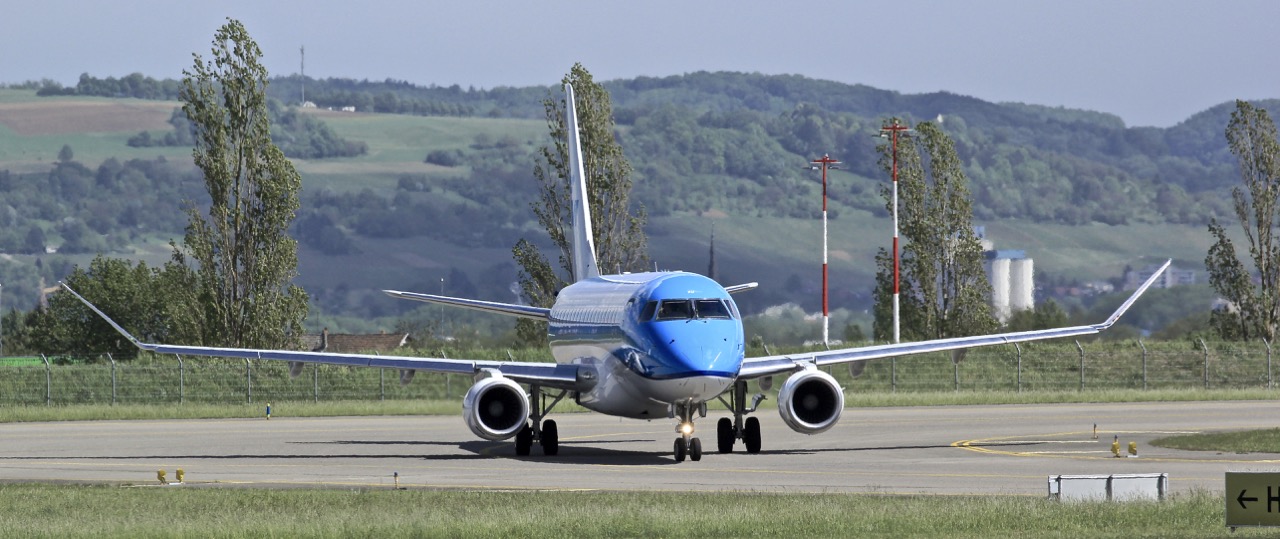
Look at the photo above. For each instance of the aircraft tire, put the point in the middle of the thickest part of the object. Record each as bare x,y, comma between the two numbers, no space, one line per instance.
681,449
724,435
695,450
524,440
751,435
550,438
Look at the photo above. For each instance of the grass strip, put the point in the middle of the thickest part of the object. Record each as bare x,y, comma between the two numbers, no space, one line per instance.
113,511
1252,441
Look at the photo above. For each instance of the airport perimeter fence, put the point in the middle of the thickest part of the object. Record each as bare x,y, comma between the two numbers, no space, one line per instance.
1029,367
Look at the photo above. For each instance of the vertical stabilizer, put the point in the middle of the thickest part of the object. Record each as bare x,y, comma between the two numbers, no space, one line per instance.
583,248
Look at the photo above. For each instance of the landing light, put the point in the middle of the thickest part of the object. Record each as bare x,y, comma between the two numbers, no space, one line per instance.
686,428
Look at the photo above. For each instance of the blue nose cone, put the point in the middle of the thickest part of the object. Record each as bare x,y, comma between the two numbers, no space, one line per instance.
685,348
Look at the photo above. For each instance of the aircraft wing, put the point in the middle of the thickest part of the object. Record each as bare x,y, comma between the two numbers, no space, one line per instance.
546,374
755,367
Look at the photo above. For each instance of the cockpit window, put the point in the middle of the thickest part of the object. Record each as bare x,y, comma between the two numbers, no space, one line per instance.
647,313
711,308
685,309
675,309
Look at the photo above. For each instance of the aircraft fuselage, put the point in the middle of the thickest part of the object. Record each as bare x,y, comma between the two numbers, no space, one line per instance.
654,339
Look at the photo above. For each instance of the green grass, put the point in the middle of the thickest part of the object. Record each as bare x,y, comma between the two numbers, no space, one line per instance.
112,511
1253,441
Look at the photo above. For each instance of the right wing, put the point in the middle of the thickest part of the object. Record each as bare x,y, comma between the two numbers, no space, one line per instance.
555,375
755,367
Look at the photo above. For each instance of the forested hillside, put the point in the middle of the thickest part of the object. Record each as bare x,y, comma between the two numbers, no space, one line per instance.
705,146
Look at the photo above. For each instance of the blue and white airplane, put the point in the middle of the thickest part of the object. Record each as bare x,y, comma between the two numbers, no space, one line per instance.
657,345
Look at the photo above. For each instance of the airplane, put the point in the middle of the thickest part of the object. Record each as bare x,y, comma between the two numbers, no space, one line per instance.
652,345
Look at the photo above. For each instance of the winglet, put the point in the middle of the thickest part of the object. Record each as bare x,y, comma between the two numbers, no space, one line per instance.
584,249
1127,303
104,316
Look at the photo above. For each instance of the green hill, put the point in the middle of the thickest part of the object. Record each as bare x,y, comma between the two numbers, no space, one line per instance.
446,195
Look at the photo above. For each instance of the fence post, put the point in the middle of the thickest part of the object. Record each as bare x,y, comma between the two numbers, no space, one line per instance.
1270,382
1144,364
893,373
956,369
448,380
113,379
1019,350
1206,362
48,382
315,383
248,381
1081,348
182,380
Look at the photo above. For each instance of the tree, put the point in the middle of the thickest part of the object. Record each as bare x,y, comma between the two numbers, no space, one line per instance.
1255,304
65,154
618,231
137,297
943,288
244,259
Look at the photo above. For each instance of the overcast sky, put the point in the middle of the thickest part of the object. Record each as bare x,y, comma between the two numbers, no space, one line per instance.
1151,63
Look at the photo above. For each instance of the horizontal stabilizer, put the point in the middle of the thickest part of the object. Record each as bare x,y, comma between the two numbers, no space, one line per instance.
509,309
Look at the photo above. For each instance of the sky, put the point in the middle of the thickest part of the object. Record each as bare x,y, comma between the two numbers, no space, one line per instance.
1150,63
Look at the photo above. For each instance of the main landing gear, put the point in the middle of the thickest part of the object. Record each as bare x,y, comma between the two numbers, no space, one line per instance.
728,431
687,445
546,433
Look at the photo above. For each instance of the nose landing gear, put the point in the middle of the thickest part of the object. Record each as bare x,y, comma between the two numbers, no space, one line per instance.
687,445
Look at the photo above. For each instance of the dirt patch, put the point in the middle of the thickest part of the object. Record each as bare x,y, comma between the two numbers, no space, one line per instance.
60,117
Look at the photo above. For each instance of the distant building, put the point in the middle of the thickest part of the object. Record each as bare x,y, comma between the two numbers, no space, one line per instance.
349,108
1011,275
1012,278
339,343
1171,278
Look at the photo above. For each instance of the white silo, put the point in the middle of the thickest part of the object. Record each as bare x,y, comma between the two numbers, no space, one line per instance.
1021,287
999,275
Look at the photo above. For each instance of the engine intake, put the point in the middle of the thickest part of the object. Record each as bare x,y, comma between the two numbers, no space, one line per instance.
495,408
810,401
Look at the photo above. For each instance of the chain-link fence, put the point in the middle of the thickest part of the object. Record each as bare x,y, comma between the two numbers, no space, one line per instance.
1030,367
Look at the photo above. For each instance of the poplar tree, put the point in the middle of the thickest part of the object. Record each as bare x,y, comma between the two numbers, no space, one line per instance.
244,261
943,288
618,231
1254,303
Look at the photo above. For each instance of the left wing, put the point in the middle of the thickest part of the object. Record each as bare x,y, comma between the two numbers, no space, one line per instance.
755,367
555,375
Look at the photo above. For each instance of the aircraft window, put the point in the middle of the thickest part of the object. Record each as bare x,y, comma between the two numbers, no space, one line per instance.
712,308
649,309
675,309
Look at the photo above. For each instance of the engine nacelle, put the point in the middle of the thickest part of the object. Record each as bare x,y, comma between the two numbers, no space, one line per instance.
495,408
810,401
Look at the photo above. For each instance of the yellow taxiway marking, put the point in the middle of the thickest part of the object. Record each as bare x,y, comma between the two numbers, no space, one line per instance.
991,446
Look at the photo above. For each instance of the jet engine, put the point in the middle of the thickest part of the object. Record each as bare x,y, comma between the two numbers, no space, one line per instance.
810,401
495,408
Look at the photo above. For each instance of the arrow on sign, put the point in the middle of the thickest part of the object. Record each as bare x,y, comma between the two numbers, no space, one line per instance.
1241,499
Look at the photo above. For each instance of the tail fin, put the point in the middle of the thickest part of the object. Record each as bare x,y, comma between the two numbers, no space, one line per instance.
584,249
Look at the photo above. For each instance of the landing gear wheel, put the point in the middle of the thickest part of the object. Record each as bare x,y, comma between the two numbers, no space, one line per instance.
724,435
681,449
751,435
695,450
524,440
550,438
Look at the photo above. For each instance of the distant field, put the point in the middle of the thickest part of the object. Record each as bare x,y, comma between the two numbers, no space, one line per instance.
33,129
